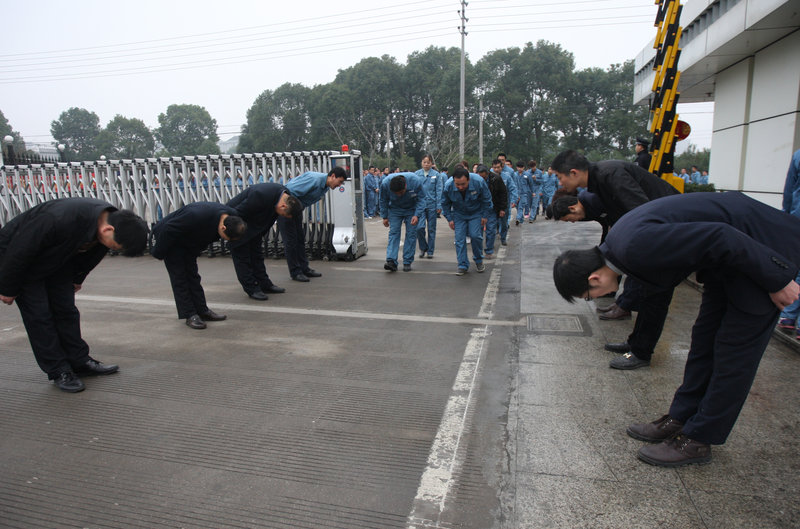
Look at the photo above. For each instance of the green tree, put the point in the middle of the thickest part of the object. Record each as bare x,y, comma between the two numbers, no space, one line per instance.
126,138
7,130
691,156
186,130
278,121
77,129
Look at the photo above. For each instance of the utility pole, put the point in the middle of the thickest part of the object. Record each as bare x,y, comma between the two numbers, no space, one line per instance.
480,130
463,30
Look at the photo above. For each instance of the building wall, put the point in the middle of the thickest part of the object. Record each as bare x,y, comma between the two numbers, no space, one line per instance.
756,124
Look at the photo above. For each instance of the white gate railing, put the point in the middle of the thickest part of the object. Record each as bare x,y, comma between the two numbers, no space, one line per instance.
152,187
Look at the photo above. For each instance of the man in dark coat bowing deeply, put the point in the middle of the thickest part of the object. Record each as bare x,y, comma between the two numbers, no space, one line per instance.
746,255
259,205
180,238
45,255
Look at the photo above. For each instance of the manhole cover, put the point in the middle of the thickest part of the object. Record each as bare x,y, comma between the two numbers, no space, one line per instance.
563,324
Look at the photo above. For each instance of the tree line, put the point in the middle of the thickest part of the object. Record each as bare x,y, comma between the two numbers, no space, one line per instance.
535,103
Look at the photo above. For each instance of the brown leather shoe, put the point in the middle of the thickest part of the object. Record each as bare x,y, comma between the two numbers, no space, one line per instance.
210,315
656,431
617,313
601,310
676,452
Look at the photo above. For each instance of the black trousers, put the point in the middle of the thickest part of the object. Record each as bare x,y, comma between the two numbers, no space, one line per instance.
185,280
653,309
53,323
727,346
248,261
294,241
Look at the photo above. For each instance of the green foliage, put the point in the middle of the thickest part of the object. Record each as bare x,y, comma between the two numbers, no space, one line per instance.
691,156
7,130
125,138
186,130
277,121
699,188
77,129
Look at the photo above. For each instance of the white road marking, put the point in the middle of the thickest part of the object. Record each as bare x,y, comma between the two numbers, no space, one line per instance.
447,452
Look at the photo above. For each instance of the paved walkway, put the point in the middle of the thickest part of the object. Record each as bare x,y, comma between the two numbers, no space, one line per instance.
366,399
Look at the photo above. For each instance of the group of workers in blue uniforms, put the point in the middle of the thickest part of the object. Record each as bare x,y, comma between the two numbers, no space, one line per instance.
419,199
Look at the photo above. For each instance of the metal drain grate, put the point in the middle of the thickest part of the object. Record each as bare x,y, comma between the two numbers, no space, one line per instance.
559,325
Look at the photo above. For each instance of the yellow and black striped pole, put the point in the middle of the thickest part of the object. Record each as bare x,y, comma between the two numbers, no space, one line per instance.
663,118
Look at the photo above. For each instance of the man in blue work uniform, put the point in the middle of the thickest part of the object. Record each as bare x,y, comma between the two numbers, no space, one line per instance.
738,248
507,174
536,189
180,238
403,201
549,186
433,183
466,204
370,192
525,189
308,188
259,205
696,177
791,205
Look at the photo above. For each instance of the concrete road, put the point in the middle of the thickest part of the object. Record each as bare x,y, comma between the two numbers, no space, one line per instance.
368,399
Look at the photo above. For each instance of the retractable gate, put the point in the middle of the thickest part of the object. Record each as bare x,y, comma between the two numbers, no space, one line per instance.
155,187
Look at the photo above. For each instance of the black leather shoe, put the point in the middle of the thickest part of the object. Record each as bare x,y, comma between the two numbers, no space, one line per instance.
260,296
406,268
210,315
272,289
312,273
657,431
621,348
390,266
301,277
195,322
628,361
607,308
93,367
67,381
676,452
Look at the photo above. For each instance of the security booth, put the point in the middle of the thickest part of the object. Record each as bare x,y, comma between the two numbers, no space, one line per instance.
349,239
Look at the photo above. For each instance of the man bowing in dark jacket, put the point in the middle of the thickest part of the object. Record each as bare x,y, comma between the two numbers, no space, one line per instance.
621,187
180,238
259,205
746,255
45,255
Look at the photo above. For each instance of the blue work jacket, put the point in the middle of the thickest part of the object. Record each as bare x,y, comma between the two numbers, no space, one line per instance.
412,202
477,200
308,188
433,184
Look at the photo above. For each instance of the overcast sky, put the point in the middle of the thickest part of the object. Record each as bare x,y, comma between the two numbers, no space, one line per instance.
137,58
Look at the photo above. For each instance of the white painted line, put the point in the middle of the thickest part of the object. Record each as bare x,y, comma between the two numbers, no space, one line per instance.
242,307
447,453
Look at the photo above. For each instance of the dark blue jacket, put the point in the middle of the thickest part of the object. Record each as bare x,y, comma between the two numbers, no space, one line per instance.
256,205
750,246
189,229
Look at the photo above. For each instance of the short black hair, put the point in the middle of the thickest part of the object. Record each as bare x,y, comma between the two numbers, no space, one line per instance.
497,161
562,204
520,163
397,184
572,269
499,154
569,160
130,231
460,171
234,227
338,172
295,206
481,169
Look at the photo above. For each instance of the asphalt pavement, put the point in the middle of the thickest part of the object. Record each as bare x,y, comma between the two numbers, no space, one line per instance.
369,399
